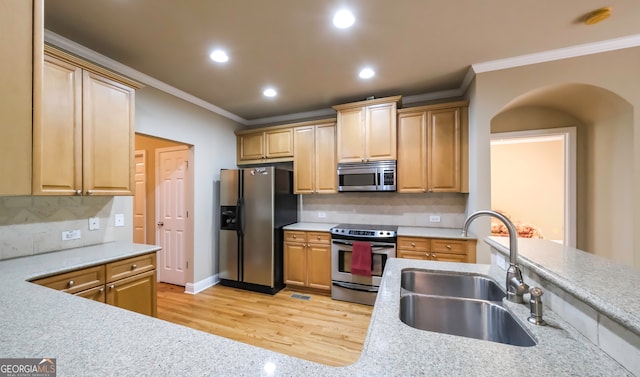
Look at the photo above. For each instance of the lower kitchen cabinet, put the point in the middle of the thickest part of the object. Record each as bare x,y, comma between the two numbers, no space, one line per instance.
307,259
440,249
128,283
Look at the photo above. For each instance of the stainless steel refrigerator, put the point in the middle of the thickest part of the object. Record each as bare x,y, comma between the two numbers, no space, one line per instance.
255,204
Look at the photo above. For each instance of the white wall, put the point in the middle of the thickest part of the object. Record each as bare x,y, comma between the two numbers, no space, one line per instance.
214,147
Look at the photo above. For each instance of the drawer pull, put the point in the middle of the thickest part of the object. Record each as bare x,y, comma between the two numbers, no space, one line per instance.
318,238
134,266
448,246
71,283
413,244
101,289
112,286
433,255
294,236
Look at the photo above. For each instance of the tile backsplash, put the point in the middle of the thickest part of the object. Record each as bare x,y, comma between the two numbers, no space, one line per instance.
385,209
34,224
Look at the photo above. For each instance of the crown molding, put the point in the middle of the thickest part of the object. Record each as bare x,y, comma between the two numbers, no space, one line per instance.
97,58
559,54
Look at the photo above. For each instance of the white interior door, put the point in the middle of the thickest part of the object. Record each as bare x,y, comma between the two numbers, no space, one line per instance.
171,213
140,199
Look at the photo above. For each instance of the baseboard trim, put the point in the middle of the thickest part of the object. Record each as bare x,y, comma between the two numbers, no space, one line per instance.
199,286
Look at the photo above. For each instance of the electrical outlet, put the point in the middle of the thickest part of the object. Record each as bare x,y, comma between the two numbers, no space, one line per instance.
94,223
434,219
71,235
322,215
119,219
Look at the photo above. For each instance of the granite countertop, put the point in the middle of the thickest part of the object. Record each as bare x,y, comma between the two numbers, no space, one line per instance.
407,231
603,284
91,338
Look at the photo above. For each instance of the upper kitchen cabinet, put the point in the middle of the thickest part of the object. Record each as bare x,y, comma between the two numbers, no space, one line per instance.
265,145
366,130
83,129
22,29
433,148
314,157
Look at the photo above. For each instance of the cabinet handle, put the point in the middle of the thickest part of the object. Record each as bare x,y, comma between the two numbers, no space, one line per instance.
89,192
112,286
78,192
448,246
160,223
71,283
133,266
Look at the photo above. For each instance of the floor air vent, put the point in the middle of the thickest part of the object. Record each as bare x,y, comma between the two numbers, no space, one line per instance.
300,297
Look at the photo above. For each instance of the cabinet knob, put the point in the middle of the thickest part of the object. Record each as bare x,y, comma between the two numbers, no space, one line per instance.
448,246
78,192
101,289
160,223
112,286
413,244
71,283
318,237
89,192
433,255
133,266
294,236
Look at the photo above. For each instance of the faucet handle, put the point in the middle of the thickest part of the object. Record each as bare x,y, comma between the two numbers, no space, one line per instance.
536,306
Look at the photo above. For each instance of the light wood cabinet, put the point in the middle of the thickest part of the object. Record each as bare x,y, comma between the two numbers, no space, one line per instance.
433,148
127,283
314,158
439,249
274,144
22,29
307,259
366,130
83,131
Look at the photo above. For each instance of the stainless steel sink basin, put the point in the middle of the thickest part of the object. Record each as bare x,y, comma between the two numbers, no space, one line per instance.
451,284
464,317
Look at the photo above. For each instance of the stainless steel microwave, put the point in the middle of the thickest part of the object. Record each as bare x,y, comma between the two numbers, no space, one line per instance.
367,176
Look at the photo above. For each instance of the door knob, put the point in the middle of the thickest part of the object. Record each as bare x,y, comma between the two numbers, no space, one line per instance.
160,223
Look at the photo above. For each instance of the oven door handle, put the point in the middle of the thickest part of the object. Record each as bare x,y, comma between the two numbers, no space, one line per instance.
376,245
355,287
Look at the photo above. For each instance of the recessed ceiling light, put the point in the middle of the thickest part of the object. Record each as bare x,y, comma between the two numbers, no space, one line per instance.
270,92
343,19
366,73
219,56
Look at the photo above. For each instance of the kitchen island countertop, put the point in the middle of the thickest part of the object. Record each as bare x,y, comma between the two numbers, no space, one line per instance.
91,338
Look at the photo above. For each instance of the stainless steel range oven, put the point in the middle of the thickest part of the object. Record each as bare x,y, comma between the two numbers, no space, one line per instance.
356,288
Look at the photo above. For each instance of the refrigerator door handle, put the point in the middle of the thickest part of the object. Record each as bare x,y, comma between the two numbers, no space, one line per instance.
240,217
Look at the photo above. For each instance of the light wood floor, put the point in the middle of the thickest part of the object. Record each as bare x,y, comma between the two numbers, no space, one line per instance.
319,329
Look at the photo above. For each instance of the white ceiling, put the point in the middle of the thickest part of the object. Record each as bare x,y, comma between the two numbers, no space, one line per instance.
415,46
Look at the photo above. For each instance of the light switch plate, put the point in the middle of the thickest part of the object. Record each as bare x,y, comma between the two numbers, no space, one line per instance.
94,223
119,219
322,215
434,219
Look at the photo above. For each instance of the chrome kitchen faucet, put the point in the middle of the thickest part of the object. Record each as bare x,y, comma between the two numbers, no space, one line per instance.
516,287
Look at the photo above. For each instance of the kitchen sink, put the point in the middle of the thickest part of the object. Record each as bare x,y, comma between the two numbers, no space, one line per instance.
451,284
463,317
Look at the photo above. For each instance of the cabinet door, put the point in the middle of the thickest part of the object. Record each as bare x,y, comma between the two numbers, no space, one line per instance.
279,143
136,293
443,160
326,174
304,160
380,132
295,264
251,146
319,266
16,48
108,131
57,131
350,135
95,294
412,152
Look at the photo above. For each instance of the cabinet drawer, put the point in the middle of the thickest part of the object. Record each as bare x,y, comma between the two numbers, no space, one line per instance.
75,281
130,266
422,255
295,236
413,244
448,246
95,294
319,238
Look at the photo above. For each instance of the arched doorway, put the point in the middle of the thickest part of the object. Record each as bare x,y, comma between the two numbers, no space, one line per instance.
604,124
